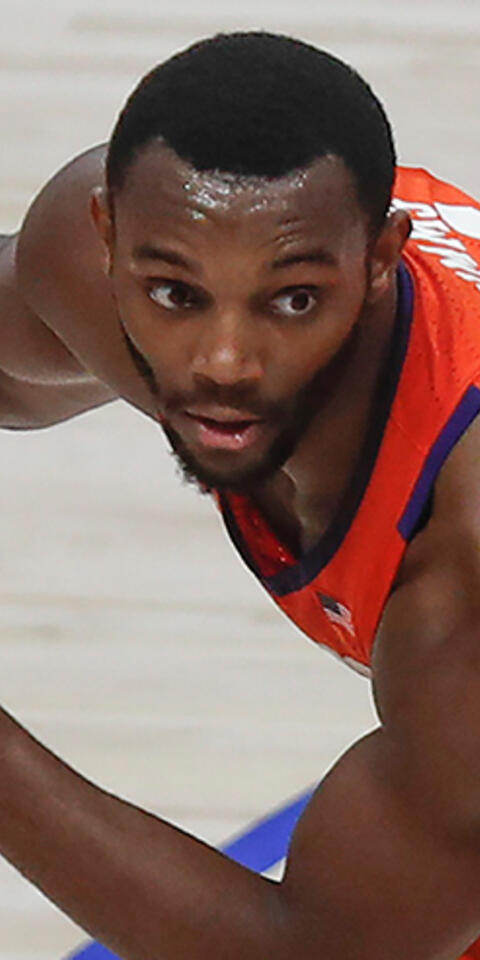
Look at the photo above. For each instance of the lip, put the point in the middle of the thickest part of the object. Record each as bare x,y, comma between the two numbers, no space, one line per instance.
226,432
223,415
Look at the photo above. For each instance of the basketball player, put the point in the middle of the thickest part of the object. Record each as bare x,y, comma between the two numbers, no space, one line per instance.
240,274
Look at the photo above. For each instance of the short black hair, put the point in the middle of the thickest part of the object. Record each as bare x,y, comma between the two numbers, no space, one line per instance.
259,104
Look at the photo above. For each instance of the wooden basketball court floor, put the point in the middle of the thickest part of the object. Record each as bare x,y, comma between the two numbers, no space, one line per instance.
133,642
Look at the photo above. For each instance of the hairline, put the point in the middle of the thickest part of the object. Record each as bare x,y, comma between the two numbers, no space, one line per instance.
112,192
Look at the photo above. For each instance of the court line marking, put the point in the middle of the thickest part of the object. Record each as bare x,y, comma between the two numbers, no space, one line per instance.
262,845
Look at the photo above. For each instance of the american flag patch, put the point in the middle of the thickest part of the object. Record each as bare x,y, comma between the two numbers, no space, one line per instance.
337,612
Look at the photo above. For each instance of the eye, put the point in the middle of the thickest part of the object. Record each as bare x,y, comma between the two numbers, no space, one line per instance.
173,295
296,301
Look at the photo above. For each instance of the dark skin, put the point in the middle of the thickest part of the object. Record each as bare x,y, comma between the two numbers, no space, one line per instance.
386,860
251,346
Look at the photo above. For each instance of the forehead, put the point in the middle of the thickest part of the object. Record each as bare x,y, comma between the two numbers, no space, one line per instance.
164,193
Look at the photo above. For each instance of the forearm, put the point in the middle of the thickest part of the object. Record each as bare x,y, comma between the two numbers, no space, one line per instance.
365,880
142,887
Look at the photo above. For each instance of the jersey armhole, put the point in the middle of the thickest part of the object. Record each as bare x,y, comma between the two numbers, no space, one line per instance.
419,507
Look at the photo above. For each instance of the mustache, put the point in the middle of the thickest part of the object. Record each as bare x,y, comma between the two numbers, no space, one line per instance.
235,397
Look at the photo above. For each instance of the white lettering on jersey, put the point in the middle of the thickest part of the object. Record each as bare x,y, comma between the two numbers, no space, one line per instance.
421,211
434,231
432,226
462,219
454,261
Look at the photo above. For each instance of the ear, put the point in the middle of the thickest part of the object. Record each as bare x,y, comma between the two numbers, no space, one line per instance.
386,253
102,221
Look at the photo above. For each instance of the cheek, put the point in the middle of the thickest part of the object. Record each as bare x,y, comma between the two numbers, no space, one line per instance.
306,353
164,345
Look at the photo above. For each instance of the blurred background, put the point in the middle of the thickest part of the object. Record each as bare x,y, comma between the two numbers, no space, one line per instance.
133,642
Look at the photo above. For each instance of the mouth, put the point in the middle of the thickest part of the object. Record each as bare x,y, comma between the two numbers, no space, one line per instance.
226,430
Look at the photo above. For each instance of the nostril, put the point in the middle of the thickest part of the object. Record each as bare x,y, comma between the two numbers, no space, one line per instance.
227,364
227,369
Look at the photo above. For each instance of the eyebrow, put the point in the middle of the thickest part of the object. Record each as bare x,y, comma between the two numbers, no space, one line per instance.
147,251
319,256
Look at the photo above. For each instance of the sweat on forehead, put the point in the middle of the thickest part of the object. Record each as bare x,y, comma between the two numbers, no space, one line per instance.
159,179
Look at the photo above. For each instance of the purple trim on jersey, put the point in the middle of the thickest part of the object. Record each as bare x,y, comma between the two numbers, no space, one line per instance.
300,574
461,418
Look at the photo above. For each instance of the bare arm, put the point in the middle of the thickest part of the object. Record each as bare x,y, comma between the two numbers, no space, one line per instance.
385,862
411,844
42,381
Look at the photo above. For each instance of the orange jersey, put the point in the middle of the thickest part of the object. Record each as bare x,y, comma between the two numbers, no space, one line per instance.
428,393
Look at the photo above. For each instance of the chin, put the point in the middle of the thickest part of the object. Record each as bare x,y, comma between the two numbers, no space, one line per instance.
238,481
244,479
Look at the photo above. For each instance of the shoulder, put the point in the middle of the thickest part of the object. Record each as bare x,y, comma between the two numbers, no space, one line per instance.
57,245
433,613
453,530
60,276
426,657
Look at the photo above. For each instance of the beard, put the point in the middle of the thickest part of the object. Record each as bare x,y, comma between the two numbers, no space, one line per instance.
292,419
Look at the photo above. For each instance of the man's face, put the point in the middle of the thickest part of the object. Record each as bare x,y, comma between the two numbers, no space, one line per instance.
240,300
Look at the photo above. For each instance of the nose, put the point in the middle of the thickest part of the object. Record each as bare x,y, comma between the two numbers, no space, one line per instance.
227,353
